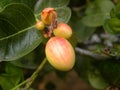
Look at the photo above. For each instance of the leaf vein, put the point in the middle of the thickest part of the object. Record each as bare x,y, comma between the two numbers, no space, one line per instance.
26,29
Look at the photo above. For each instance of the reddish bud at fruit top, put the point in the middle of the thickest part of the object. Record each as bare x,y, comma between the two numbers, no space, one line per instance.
48,15
63,30
40,25
60,53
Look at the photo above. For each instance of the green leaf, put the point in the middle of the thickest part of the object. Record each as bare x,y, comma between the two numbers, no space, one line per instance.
81,31
41,4
18,35
100,6
30,3
26,61
5,84
112,25
116,10
110,71
64,14
94,20
31,60
97,12
107,27
96,80
11,78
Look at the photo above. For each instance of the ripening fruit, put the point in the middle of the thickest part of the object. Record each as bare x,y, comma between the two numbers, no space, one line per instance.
63,30
40,25
60,53
48,15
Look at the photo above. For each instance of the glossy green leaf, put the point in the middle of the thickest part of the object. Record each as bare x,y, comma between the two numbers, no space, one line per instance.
81,31
11,77
107,27
110,71
31,60
27,61
18,35
64,14
117,10
97,12
112,26
30,3
96,80
41,4
94,20
100,6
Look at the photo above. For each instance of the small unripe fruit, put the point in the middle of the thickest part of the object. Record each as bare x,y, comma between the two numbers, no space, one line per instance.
63,30
60,53
48,15
40,25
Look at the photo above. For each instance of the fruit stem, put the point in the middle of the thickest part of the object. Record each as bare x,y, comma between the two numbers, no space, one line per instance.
16,87
35,74
30,80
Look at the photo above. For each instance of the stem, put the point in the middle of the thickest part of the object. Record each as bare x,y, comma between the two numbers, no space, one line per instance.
20,84
34,75
36,15
91,54
30,80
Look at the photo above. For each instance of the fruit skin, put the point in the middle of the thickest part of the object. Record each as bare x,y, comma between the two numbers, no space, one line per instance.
40,25
63,30
48,15
60,53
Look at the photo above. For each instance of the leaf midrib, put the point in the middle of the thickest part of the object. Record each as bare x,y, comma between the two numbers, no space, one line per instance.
26,29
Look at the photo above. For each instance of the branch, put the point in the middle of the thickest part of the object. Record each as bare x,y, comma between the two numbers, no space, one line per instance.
30,80
34,75
16,87
91,54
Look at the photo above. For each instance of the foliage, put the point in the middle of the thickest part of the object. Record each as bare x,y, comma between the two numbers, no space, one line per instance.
96,34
